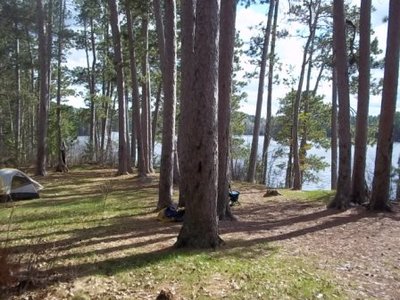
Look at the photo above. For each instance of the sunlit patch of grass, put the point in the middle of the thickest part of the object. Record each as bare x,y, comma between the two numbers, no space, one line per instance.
99,226
227,274
322,196
74,205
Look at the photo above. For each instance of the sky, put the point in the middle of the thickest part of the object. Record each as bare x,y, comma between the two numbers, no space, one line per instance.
289,51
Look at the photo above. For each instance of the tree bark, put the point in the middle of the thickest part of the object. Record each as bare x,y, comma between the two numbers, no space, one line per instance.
359,194
251,173
169,83
297,180
334,133
61,157
146,130
123,167
155,115
267,134
92,85
17,102
44,94
187,50
383,159
136,119
226,46
200,226
342,197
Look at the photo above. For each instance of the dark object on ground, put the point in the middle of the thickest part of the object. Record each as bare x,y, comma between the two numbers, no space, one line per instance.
171,214
271,192
234,198
165,295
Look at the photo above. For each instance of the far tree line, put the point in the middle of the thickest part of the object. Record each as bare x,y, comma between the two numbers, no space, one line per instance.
373,122
173,66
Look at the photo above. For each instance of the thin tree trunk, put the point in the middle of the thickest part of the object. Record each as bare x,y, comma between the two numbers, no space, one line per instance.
92,86
289,169
155,117
109,146
123,167
297,180
251,173
145,99
61,157
267,133
334,133
359,193
226,46
169,83
17,104
44,94
383,159
136,119
106,90
306,110
128,145
342,197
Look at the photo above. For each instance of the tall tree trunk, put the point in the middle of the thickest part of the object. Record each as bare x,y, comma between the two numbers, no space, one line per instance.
297,180
44,94
187,49
61,157
304,128
383,160
109,145
360,147
123,167
155,116
289,169
334,133
146,99
149,123
31,141
137,126
17,147
251,173
226,46
169,83
200,226
128,145
342,197
92,86
49,36
267,133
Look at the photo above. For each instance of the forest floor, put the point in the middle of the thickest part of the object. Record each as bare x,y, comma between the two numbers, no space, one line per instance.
106,248
360,249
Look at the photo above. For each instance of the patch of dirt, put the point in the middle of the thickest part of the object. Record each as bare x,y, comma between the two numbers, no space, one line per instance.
360,249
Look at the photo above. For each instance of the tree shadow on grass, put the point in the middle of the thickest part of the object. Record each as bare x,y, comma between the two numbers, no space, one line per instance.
151,241
122,229
289,227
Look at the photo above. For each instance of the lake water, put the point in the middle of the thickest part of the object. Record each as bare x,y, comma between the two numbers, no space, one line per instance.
277,175
324,175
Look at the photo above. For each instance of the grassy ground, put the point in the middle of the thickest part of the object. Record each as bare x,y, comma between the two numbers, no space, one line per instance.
95,236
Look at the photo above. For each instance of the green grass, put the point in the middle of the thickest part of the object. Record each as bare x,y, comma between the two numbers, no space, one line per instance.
309,196
91,227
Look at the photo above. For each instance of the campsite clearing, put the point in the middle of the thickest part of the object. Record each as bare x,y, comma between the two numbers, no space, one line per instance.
93,235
